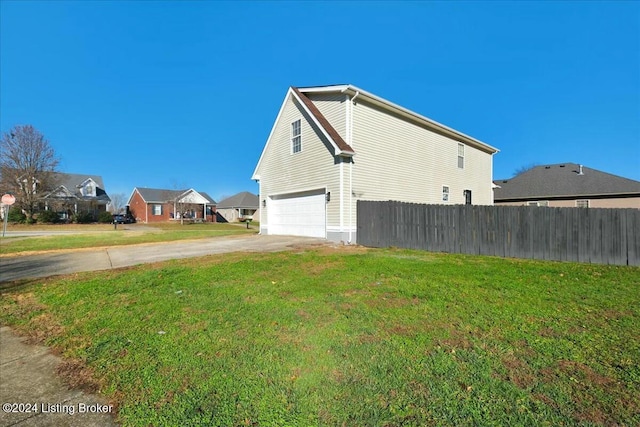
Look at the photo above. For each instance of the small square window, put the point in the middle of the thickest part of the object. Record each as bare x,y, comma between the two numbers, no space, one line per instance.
296,137
582,203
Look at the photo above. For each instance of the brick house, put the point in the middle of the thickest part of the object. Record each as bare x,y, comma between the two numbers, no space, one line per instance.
161,205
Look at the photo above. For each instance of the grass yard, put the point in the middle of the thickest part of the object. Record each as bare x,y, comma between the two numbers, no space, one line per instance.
348,337
100,235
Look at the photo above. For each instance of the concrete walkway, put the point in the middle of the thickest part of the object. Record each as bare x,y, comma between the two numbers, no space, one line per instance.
74,261
32,394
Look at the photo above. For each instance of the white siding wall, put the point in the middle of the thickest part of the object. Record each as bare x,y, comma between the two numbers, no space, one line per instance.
398,160
332,106
282,171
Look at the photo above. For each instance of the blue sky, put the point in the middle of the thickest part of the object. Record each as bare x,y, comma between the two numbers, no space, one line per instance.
184,94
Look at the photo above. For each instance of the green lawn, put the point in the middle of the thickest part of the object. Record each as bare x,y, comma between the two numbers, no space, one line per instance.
100,235
348,336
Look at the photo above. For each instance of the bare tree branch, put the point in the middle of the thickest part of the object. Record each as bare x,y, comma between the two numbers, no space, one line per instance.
118,202
27,163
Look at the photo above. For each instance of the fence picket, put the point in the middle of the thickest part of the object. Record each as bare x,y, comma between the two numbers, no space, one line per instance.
603,236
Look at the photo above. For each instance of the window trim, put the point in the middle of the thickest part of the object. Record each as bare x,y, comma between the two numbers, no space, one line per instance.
461,155
296,138
446,195
539,203
153,209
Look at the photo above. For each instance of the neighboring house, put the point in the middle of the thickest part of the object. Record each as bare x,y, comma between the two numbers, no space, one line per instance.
240,207
74,193
157,205
333,145
568,185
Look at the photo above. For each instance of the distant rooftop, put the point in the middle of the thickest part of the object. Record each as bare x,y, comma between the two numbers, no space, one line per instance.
563,180
240,200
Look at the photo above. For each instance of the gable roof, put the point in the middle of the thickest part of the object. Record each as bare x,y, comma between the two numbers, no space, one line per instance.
157,195
240,200
564,180
160,195
70,183
72,180
358,93
208,197
334,136
341,147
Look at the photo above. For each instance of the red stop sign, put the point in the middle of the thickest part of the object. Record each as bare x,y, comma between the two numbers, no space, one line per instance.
8,199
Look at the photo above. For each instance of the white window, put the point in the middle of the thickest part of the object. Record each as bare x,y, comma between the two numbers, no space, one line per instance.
539,203
445,193
157,209
296,138
461,156
89,189
582,203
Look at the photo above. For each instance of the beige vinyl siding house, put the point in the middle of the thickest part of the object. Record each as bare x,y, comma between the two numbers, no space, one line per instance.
354,146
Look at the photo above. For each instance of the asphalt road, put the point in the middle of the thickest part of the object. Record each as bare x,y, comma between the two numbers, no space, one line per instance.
66,262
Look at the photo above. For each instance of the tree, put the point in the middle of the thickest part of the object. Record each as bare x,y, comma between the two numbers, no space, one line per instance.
524,168
27,166
118,202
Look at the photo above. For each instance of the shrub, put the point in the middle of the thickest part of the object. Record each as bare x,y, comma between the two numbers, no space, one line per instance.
82,218
48,217
105,217
16,215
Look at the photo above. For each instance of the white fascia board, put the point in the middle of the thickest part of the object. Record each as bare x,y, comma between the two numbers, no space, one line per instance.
131,196
352,90
332,88
59,189
83,183
197,197
255,175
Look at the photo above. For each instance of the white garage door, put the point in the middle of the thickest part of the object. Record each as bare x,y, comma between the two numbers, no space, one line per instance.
299,214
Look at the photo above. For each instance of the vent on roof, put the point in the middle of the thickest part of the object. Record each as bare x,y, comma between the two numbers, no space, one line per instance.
547,167
505,181
562,166
580,172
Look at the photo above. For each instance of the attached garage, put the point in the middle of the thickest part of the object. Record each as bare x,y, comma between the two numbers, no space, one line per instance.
298,214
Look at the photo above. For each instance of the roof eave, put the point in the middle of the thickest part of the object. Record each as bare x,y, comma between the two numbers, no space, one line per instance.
566,197
404,112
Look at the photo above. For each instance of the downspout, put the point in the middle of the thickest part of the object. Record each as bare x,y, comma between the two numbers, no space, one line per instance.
351,168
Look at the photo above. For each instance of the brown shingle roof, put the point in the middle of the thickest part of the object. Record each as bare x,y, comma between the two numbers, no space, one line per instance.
335,136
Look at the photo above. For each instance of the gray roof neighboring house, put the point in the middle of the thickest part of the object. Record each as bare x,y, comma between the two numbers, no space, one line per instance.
241,200
564,181
207,196
159,195
71,184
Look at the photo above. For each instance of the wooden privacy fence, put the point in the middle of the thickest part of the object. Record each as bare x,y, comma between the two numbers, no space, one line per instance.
599,236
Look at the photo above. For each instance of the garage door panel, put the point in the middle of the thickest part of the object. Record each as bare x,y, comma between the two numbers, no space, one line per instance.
302,214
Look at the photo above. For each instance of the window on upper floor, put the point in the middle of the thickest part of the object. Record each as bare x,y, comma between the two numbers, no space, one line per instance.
445,193
296,137
461,156
582,203
90,189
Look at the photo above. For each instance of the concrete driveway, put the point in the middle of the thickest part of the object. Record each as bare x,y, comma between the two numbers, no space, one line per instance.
73,261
